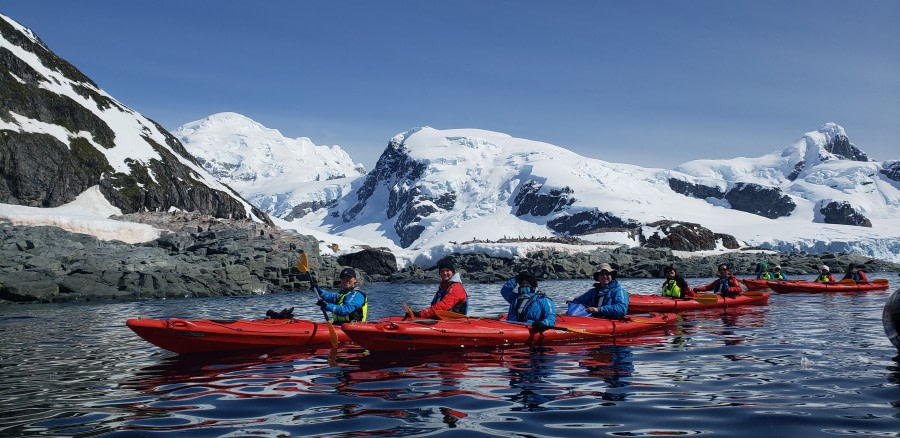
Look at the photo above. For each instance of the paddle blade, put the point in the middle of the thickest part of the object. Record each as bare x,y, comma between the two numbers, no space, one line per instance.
332,335
880,281
444,314
303,263
707,298
847,281
409,312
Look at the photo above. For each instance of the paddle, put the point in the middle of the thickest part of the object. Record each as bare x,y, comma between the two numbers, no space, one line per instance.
445,314
880,281
707,298
303,266
849,281
409,311
565,329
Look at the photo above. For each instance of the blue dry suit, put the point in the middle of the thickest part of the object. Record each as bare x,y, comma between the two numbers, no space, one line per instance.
346,306
528,307
611,301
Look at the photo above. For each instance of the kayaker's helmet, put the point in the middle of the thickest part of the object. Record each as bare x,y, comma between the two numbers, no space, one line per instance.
446,264
348,273
603,269
764,266
824,268
527,276
777,268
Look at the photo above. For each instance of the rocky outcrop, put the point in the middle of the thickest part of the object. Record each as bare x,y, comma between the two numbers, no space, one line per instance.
379,264
531,201
695,190
679,236
633,263
891,169
764,201
728,241
200,256
587,220
842,213
400,174
840,145
39,170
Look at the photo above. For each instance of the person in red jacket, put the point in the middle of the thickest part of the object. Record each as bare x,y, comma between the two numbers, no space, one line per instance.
450,296
726,284
856,273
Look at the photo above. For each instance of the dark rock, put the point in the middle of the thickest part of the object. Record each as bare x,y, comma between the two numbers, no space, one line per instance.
375,262
760,200
679,236
585,221
695,190
530,200
841,212
891,169
840,145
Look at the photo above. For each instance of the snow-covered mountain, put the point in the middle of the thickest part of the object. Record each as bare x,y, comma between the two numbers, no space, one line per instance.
285,177
61,135
436,191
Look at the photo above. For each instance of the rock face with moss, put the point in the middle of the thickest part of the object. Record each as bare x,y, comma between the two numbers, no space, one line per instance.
60,134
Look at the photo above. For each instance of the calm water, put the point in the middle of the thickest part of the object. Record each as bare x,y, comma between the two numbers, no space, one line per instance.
806,365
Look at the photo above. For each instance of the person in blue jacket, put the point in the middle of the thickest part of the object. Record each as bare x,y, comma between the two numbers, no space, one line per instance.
607,299
350,304
777,275
527,303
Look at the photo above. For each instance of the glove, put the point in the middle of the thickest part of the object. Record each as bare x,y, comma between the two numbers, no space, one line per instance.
271,314
538,326
322,305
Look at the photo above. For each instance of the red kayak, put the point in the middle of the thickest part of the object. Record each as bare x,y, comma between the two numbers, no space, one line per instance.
429,334
656,303
786,287
206,335
756,284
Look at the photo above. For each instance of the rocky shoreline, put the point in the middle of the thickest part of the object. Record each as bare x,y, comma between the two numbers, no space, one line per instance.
201,256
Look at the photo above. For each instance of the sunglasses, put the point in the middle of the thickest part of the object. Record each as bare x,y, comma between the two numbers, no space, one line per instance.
723,269
604,273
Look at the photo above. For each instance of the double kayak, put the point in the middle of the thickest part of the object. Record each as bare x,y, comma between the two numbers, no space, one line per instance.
429,334
656,303
207,335
785,287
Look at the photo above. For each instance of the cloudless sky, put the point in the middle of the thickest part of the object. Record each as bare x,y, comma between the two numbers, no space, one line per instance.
652,83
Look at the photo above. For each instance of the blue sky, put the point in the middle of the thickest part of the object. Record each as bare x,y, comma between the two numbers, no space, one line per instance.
651,83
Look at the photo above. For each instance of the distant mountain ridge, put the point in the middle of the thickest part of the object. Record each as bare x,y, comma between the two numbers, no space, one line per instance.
60,135
266,167
433,188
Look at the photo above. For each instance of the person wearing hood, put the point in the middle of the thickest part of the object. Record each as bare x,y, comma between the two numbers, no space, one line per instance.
825,275
527,303
762,272
347,305
450,296
607,299
777,275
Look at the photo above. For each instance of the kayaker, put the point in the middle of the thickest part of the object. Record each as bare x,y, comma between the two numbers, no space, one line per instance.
762,272
726,285
777,275
350,304
675,285
825,275
527,303
450,296
607,299
856,273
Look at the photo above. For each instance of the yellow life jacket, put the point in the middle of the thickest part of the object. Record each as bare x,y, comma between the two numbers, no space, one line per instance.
823,278
358,314
670,289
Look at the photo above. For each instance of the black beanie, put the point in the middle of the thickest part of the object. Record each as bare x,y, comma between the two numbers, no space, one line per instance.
527,276
446,264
